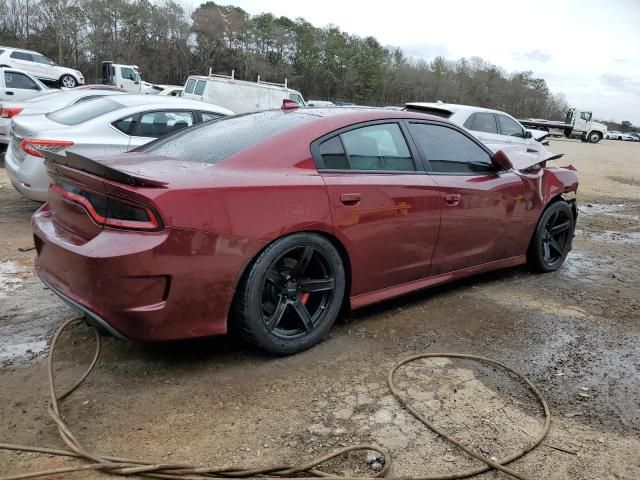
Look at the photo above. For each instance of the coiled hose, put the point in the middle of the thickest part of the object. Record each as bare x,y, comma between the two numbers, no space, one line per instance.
184,471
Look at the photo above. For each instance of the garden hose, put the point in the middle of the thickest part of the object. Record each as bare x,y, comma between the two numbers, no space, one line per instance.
185,471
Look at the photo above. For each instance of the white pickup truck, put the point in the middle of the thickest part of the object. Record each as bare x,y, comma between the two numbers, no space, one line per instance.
19,85
126,77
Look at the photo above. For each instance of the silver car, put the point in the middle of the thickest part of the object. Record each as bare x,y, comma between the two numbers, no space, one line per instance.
45,103
103,126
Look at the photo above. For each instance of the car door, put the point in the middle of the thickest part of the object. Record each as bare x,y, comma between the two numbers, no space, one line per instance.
23,61
151,125
483,126
483,210
18,86
129,80
385,209
512,131
45,67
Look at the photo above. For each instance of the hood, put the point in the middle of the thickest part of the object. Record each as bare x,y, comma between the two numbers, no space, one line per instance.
524,157
599,126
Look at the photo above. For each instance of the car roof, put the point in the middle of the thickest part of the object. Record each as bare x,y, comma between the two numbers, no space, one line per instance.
232,80
451,107
156,101
19,50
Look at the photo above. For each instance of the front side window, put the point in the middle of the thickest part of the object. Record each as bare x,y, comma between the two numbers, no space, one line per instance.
296,98
43,60
379,147
128,74
449,151
200,87
159,124
19,81
586,116
22,56
190,84
509,127
482,122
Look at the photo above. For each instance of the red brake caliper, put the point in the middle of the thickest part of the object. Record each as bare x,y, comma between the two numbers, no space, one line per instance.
304,297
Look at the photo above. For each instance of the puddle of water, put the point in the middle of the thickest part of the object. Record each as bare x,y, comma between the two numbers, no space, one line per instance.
611,236
22,350
12,275
618,210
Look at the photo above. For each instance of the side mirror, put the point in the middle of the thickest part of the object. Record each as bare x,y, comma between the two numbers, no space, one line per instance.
501,161
528,134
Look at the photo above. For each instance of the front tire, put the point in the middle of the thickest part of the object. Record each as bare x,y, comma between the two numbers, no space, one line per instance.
552,238
292,294
68,81
595,137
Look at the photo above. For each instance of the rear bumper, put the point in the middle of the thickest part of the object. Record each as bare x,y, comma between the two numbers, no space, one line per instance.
145,286
29,177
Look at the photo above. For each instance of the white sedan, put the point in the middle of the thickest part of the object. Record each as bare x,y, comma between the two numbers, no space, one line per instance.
488,126
46,103
615,135
103,126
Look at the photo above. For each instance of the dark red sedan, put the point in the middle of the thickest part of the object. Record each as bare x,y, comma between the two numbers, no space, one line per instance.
271,222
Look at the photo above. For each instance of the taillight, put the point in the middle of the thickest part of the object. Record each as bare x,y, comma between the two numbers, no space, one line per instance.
107,210
33,145
9,112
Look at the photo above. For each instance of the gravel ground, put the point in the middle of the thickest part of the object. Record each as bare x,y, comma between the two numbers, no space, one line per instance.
574,333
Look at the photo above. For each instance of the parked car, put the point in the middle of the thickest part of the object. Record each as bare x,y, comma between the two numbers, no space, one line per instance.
18,85
103,126
40,67
270,223
239,95
320,103
489,126
616,135
48,102
635,135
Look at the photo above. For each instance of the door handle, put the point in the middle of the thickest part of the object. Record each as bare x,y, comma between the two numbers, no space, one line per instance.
9,93
452,199
350,199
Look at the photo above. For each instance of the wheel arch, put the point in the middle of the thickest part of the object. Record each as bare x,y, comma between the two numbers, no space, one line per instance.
339,246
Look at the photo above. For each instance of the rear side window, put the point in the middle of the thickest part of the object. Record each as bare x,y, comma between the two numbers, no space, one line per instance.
482,122
200,87
333,155
208,116
509,127
19,81
42,59
190,84
22,56
81,112
449,151
212,142
377,147
124,124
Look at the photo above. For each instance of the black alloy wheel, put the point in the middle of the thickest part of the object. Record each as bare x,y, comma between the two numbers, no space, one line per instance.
292,294
552,239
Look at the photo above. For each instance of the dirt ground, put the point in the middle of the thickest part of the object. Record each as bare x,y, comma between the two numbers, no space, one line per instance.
574,333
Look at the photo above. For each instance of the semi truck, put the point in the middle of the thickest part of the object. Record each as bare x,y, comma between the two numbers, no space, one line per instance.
577,124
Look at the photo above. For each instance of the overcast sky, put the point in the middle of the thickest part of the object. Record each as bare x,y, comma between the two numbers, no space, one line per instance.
588,50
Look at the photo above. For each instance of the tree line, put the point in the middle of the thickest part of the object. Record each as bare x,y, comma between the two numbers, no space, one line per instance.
168,44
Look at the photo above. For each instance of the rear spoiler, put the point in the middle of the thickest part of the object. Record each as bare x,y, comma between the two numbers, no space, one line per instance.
93,167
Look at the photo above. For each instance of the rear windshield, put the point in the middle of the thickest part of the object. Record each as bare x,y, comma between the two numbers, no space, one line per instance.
214,141
81,112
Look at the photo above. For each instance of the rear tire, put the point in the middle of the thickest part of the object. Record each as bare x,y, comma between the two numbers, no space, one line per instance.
68,81
552,238
292,294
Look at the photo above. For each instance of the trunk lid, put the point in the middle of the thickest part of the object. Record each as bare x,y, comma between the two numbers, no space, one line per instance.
29,126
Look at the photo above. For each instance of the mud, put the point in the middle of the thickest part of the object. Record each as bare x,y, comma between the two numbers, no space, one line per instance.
574,333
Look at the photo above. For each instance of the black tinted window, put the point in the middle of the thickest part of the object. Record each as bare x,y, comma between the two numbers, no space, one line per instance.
377,147
214,141
200,87
18,80
448,150
124,124
81,112
22,56
509,127
483,122
333,155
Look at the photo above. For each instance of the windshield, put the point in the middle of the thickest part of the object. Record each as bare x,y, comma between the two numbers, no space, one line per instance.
81,112
214,141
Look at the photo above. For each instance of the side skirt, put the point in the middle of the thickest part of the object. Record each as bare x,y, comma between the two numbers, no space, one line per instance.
397,290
